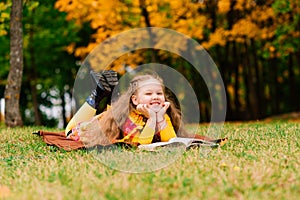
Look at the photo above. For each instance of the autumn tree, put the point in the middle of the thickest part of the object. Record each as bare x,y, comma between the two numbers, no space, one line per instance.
254,43
13,87
113,17
49,71
249,49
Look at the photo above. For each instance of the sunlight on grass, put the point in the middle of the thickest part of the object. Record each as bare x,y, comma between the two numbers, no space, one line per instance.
260,161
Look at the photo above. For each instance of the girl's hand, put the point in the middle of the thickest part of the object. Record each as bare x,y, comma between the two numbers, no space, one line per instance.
160,114
146,111
149,113
161,122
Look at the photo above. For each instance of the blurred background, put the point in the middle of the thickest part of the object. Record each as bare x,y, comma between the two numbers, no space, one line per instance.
254,43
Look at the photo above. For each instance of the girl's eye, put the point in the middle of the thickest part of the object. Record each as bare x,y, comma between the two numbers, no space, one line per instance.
148,93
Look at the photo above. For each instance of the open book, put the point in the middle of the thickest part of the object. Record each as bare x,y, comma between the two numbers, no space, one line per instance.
187,142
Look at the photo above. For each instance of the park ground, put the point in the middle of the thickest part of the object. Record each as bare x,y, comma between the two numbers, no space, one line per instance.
259,161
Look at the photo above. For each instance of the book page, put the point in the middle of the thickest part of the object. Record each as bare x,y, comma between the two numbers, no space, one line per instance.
187,141
152,146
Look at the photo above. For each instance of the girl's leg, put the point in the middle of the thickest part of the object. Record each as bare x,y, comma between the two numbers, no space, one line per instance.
85,113
105,81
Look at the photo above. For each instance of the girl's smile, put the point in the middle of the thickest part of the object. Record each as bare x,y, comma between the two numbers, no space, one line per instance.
150,93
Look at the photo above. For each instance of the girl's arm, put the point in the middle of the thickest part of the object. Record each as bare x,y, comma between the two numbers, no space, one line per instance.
164,124
147,134
166,129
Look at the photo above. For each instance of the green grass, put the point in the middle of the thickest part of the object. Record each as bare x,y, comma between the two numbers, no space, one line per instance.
260,161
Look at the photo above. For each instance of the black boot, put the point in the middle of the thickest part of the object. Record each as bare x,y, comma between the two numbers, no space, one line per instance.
106,81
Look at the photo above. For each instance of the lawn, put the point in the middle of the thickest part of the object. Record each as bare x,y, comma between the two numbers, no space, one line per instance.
260,161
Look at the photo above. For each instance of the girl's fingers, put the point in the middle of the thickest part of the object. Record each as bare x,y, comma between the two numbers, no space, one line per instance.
143,108
164,109
166,105
140,107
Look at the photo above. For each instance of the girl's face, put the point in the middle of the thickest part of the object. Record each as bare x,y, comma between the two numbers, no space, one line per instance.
150,92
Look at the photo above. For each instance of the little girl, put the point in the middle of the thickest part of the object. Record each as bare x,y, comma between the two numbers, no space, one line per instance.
143,114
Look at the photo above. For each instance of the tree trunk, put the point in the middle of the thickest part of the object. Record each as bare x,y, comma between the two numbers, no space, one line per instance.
37,114
297,66
13,86
293,94
275,86
145,14
258,86
226,72
33,77
235,63
251,85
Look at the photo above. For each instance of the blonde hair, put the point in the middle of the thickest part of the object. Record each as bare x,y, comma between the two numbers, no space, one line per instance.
113,119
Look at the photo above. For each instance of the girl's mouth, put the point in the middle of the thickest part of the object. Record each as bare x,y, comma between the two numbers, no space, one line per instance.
156,103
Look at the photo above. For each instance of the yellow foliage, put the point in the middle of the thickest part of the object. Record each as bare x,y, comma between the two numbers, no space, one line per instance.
224,6
240,4
244,28
216,38
267,32
230,89
3,32
70,48
261,14
4,15
109,18
3,6
271,48
175,5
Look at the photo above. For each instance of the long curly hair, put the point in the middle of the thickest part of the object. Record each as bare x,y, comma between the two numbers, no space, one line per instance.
112,120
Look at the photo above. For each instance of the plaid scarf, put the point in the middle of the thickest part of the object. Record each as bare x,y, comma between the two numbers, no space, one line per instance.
133,126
